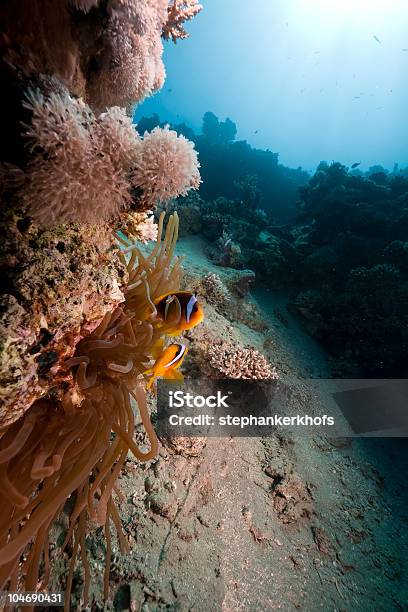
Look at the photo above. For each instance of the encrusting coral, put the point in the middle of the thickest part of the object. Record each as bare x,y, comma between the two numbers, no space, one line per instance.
63,448
58,284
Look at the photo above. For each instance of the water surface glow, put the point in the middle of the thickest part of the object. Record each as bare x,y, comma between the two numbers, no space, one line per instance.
311,79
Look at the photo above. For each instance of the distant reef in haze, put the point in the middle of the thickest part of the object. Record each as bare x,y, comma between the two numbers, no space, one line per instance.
227,162
336,243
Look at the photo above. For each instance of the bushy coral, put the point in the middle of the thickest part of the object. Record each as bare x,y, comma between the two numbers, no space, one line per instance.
139,227
228,360
167,167
80,164
108,52
90,169
179,11
130,65
214,291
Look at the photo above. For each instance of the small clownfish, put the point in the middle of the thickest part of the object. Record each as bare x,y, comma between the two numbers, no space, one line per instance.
167,364
179,311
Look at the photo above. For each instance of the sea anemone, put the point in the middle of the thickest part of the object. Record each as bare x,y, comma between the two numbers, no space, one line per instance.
75,447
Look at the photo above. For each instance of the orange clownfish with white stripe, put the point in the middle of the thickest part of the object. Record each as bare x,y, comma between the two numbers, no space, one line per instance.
167,364
179,311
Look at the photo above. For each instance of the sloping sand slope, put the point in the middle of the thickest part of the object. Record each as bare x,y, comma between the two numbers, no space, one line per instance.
285,522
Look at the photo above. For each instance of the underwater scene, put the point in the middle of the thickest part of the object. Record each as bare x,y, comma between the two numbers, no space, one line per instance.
204,305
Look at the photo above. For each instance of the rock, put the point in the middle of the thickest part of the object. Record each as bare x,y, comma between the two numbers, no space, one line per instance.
292,499
240,282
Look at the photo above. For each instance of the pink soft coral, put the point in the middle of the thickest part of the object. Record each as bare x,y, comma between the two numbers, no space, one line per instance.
130,63
80,163
179,11
91,169
166,167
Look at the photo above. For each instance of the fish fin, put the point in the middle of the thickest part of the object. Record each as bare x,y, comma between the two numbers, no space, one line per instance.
150,383
175,375
172,313
174,333
157,349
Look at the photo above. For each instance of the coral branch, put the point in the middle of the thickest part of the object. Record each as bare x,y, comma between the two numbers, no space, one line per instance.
231,361
179,11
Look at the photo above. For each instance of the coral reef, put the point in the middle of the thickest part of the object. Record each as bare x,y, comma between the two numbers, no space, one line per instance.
341,259
86,169
232,169
58,285
228,296
240,235
166,167
110,53
179,11
191,221
66,439
352,278
229,252
240,283
77,318
226,360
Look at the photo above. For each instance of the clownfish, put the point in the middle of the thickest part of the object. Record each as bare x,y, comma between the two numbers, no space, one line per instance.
179,311
167,364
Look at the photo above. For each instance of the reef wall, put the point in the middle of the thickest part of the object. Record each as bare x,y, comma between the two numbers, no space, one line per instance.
77,314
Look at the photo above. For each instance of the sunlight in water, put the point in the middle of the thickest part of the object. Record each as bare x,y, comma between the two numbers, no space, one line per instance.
313,79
